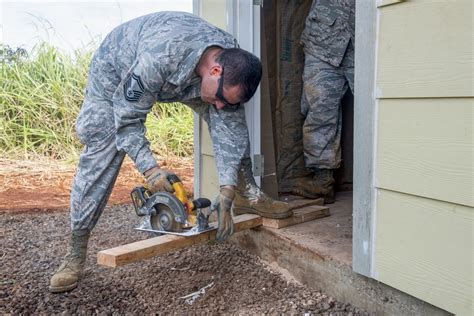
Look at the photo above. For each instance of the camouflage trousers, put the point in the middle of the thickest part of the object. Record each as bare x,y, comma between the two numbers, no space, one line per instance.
99,163
324,85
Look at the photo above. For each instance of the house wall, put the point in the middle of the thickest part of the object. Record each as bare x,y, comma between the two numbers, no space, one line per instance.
242,20
424,207
205,171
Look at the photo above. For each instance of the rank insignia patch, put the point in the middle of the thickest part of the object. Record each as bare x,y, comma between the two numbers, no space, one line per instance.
133,88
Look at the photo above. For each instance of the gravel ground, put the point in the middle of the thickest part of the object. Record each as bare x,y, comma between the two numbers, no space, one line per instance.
239,283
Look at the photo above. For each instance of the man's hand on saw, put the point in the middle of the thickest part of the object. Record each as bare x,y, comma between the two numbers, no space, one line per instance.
157,180
223,205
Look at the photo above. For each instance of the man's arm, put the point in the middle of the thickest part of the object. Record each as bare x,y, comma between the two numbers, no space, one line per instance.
132,101
230,140
231,144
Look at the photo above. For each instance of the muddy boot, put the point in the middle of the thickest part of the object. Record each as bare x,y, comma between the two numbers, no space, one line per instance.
319,186
69,273
250,198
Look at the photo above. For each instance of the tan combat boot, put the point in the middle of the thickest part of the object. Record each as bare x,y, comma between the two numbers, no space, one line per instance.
69,273
249,198
321,185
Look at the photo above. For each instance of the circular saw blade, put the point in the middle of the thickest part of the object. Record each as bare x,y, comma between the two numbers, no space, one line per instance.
164,219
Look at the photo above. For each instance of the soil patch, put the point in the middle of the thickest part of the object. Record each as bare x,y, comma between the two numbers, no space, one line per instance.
45,185
238,282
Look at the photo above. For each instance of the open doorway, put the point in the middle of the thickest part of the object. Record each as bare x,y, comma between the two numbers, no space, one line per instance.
283,59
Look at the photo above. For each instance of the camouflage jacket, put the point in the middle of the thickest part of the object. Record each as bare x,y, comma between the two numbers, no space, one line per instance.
329,27
153,58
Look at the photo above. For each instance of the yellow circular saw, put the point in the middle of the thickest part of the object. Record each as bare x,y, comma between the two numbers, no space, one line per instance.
172,213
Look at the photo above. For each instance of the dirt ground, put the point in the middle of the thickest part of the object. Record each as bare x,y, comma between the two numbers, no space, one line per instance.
239,283
34,239
45,185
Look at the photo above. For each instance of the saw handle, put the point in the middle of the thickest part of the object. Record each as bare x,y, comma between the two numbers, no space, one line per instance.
172,178
201,203
182,195
178,187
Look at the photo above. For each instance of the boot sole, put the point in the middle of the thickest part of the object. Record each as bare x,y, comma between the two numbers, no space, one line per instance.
60,289
245,210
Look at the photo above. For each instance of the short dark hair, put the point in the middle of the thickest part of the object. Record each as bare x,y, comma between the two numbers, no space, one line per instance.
241,68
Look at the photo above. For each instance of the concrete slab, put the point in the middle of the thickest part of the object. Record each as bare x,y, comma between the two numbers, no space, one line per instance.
330,237
318,253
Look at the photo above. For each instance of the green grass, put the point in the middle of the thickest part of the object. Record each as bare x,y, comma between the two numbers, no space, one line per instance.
41,95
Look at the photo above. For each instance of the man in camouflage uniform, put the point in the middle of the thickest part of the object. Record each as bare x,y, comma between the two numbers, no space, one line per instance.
166,57
328,40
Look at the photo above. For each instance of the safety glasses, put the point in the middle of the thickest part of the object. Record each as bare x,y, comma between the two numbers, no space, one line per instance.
219,94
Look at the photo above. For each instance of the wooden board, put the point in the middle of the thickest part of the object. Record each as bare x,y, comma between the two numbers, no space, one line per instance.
300,216
152,247
305,202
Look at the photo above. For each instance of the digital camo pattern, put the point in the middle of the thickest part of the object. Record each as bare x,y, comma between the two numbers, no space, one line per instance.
330,26
323,88
154,58
230,139
162,49
99,165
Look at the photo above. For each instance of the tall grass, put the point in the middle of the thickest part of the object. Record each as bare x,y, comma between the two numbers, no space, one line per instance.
170,129
41,95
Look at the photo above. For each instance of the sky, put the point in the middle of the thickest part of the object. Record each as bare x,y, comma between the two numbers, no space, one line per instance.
71,25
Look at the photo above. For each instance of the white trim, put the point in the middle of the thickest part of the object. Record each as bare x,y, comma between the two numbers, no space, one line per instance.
229,16
197,7
375,191
364,137
197,130
243,22
197,156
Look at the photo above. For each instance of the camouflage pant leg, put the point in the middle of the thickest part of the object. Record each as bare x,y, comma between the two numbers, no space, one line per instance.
99,164
347,66
323,88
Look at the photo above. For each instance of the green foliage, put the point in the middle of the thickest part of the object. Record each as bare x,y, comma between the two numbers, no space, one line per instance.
170,129
40,98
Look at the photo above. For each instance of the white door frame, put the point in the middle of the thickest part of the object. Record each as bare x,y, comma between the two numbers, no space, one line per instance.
243,22
365,119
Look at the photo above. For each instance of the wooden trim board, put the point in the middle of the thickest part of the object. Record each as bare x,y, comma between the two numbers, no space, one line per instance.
299,216
152,247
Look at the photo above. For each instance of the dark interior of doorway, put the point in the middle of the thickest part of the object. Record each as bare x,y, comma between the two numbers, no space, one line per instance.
330,237
283,61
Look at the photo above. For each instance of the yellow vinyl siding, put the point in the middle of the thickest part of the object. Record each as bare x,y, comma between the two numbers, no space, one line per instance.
425,148
425,49
206,142
213,11
209,180
425,248
423,238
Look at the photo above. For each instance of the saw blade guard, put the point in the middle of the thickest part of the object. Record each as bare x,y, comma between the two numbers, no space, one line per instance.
167,202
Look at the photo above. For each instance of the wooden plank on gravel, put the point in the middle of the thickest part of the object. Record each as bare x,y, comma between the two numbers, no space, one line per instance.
299,216
305,202
155,246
